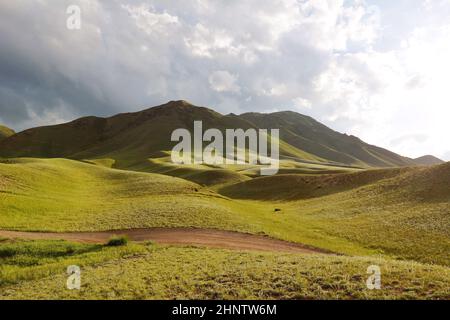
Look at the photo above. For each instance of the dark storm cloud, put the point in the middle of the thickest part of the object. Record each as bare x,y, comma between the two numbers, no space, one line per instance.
33,65
51,73
128,56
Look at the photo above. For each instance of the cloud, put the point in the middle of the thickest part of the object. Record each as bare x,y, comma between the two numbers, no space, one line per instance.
223,81
301,103
446,156
207,43
415,137
149,21
343,62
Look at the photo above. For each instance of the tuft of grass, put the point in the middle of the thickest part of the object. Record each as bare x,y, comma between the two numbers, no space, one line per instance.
117,241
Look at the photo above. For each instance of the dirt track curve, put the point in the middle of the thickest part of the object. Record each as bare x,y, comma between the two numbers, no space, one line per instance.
175,236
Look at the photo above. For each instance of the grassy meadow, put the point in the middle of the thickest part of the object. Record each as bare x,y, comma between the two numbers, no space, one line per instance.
31,260
396,218
146,271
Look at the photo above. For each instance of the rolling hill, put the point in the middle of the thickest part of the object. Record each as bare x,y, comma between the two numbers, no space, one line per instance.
428,161
402,212
290,187
131,138
69,195
5,132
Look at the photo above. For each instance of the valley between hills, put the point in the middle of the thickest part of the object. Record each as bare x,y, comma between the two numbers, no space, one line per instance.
343,203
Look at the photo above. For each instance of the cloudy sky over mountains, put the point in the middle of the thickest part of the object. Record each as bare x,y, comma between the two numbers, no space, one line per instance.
377,69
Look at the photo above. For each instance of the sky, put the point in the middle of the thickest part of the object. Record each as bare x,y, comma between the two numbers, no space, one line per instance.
378,70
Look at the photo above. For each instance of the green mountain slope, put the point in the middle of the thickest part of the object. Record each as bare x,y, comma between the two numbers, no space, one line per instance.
131,138
5,132
307,134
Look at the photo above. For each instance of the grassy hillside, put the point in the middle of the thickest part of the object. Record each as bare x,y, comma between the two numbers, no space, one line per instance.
5,132
154,272
371,216
401,212
58,194
397,212
131,138
289,187
407,215
67,195
307,134
217,175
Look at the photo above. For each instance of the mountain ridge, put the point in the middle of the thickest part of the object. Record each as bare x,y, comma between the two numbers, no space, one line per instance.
143,133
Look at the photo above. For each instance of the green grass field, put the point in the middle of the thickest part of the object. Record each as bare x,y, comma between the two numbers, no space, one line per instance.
30,260
356,213
66,195
397,218
36,270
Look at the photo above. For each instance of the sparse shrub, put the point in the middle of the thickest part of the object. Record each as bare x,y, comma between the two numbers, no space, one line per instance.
116,241
7,252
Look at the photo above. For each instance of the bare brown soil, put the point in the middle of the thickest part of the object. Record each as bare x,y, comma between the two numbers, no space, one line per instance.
175,236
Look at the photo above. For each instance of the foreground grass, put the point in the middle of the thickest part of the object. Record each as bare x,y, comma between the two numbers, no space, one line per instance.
28,260
154,272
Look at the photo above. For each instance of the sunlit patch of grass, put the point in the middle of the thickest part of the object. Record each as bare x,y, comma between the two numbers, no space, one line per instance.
200,273
28,260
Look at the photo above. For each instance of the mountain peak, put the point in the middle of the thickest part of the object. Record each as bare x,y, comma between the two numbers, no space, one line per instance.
428,160
178,103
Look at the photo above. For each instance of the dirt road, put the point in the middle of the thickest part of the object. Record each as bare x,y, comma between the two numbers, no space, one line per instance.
175,236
